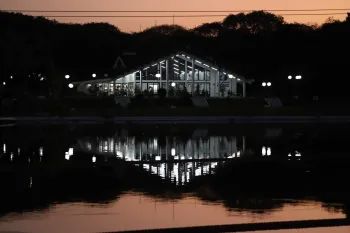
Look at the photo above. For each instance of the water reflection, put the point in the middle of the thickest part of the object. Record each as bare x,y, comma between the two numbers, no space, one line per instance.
242,178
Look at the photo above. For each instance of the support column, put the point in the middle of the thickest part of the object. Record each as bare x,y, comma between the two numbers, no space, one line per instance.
134,77
160,72
244,89
193,76
141,81
167,76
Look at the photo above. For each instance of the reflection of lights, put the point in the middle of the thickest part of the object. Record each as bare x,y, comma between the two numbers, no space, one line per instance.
66,156
263,151
19,151
30,182
173,152
11,156
289,155
94,159
41,151
297,154
266,151
238,154
4,148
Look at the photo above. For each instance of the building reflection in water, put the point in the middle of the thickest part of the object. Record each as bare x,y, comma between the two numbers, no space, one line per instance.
171,158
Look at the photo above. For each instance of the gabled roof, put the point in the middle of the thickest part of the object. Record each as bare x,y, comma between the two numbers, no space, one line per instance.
130,64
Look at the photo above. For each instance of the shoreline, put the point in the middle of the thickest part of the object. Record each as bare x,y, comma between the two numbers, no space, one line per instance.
178,119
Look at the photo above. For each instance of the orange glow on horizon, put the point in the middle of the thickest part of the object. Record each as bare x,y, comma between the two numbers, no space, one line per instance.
135,24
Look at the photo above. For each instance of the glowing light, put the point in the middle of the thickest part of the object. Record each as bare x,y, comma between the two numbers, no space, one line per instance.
205,65
106,75
67,76
173,84
268,152
94,159
231,76
289,155
11,156
70,85
158,75
146,68
18,151
290,77
264,84
89,85
198,62
66,156
263,151
269,84
154,64
173,152
298,77
30,182
4,83
297,154
11,77
238,154
70,151
176,65
94,75
214,68
41,150
42,79
158,158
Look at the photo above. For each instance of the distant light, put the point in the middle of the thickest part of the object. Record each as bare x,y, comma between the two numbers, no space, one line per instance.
42,79
205,65
70,85
158,75
158,158
198,62
11,77
173,84
173,152
4,148
4,83
155,64
238,154
269,84
145,68
231,76
264,84
268,151
18,151
289,155
41,151
11,156
106,75
214,68
94,159
89,85
94,75
298,77
67,76
66,156
263,151
290,77
297,154
70,151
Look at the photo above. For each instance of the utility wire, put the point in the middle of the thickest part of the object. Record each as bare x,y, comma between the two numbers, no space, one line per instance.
169,16
173,11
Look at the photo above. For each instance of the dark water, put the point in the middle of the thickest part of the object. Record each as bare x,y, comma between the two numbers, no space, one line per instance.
109,178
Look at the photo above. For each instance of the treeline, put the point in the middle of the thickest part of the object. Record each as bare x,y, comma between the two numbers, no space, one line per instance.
258,45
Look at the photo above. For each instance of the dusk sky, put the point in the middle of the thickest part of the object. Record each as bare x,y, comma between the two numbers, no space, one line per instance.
134,24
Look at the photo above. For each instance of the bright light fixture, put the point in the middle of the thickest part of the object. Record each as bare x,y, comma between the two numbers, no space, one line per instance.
264,84
290,77
173,84
173,152
11,77
231,76
268,152
42,79
214,68
269,84
94,159
198,62
4,83
205,65
298,77
263,151
67,76
70,85
158,75
94,75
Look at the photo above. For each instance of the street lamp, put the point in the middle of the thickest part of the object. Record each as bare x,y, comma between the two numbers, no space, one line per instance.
94,75
70,85
67,76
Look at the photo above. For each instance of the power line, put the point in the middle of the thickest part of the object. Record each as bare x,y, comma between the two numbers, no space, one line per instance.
171,16
173,11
